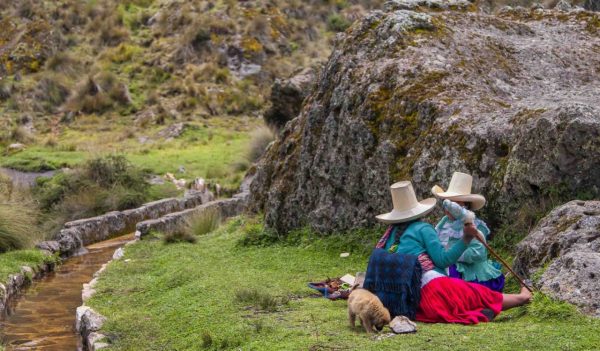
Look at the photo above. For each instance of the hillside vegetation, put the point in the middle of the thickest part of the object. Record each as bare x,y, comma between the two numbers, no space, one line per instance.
105,76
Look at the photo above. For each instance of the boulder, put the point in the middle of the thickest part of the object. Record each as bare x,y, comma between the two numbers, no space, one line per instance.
564,251
414,92
287,96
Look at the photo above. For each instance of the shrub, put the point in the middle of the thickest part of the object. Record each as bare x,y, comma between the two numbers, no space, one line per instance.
261,138
101,185
337,23
97,94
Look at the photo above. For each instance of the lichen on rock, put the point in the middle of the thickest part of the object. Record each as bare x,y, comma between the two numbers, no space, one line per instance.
565,248
422,92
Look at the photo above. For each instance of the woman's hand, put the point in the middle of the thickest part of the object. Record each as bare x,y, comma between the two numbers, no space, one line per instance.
470,232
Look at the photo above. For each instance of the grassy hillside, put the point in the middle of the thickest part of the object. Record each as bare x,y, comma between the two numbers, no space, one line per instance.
217,294
83,78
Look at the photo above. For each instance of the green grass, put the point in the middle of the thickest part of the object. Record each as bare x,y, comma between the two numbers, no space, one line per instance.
12,261
217,294
206,150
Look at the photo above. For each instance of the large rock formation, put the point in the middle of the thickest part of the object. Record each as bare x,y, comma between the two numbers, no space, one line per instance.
418,94
564,250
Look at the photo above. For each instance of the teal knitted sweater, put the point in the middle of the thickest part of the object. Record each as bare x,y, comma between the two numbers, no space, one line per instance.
474,263
420,237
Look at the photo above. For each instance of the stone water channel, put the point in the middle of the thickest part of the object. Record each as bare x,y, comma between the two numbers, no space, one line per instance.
43,317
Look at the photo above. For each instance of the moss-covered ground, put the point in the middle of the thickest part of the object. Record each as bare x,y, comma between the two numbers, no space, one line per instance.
217,294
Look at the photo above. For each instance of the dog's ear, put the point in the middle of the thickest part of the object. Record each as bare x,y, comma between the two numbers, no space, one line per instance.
354,287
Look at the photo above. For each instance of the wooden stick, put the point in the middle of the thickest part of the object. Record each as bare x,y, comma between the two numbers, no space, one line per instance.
503,262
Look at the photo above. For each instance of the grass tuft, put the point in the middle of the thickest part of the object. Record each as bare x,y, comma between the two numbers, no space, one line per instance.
260,139
260,300
544,307
180,236
204,222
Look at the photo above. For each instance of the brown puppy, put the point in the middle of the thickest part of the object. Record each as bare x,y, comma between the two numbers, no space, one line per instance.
369,309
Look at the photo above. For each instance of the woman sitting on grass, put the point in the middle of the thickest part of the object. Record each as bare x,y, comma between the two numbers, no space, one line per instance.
473,265
443,299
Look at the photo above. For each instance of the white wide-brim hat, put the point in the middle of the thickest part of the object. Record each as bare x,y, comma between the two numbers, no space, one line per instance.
459,189
406,205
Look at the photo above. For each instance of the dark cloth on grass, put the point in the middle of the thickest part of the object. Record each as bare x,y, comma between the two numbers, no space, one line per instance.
396,279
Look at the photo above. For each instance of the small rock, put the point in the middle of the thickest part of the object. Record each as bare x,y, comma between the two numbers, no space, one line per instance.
344,254
403,325
118,254
563,5
16,147
50,245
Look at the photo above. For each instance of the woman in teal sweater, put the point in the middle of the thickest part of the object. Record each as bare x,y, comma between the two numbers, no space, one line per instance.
443,299
473,266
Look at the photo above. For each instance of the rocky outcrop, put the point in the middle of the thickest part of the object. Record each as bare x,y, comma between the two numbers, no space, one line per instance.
418,93
564,250
287,96
76,234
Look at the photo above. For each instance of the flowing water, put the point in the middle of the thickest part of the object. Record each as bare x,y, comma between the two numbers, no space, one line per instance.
43,318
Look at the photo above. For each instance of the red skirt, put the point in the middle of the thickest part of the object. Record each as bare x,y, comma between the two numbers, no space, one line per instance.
450,300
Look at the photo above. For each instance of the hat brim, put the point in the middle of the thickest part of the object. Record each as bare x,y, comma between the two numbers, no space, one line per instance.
477,201
420,210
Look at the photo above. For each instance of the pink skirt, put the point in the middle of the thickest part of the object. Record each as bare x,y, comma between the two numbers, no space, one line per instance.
451,300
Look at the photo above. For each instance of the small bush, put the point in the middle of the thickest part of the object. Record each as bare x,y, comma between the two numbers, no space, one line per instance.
63,63
337,23
101,185
178,237
261,138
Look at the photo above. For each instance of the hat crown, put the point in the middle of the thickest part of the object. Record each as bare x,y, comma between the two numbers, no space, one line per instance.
460,183
403,196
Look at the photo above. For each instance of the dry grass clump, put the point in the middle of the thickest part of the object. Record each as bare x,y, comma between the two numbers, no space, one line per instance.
51,92
63,62
99,93
20,134
205,222
261,138
18,216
